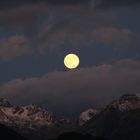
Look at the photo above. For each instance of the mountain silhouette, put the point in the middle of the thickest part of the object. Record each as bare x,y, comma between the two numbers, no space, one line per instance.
120,120
6,134
77,136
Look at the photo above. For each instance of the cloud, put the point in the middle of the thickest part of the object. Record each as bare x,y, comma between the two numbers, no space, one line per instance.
13,46
54,26
102,2
22,19
76,36
73,91
12,3
115,37
112,3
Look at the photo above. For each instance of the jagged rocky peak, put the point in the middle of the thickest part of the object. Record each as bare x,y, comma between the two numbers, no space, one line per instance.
3,117
31,115
126,103
38,112
4,103
130,97
32,108
87,115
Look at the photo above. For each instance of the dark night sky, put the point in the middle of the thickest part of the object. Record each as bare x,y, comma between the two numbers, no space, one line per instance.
35,35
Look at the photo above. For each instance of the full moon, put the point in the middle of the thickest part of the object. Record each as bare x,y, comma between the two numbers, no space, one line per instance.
71,61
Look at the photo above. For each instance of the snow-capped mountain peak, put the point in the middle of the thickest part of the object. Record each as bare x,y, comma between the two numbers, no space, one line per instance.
4,103
30,115
126,103
87,115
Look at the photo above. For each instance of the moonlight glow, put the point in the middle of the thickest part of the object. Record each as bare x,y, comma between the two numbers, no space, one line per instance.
71,61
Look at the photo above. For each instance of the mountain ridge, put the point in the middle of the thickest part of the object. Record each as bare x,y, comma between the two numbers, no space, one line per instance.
116,121
119,120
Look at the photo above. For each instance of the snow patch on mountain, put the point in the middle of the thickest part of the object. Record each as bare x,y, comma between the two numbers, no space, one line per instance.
126,103
87,115
27,116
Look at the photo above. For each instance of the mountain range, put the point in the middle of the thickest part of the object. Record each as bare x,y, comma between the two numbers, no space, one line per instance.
32,121
120,120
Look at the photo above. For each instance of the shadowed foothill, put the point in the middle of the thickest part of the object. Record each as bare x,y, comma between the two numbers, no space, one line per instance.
6,134
78,136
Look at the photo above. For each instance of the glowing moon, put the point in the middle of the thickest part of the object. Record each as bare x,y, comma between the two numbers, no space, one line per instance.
71,61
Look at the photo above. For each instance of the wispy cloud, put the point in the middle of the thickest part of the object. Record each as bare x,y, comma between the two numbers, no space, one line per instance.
52,26
13,46
115,37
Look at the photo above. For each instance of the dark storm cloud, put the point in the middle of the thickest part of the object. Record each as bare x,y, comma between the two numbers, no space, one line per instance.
73,90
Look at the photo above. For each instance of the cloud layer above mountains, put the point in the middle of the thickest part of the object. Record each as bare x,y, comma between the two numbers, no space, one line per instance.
72,90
